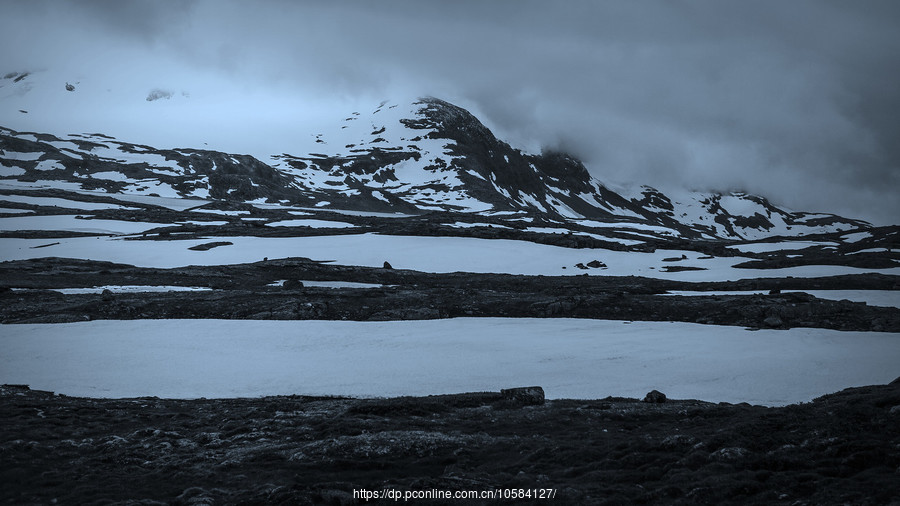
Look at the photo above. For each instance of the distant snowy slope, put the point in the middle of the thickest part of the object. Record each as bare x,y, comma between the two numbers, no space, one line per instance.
411,157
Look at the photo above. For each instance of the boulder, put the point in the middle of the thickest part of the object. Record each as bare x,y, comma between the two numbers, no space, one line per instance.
292,284
729,454
529,396
596,264
387,265
655,397
773,322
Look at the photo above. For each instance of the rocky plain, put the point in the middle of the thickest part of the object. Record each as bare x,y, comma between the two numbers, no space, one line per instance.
842,448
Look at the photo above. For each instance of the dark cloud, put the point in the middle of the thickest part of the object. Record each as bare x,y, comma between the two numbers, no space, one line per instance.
794,100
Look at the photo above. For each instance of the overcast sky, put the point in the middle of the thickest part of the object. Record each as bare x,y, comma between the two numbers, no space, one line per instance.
795,100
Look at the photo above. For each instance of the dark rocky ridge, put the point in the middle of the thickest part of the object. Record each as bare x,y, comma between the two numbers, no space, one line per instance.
843,448
241,292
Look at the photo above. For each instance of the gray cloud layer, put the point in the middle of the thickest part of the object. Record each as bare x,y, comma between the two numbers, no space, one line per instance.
793,100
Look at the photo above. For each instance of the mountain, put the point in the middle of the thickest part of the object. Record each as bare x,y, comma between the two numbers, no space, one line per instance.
419,157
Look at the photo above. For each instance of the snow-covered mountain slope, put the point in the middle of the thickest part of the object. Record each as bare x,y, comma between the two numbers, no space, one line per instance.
413,157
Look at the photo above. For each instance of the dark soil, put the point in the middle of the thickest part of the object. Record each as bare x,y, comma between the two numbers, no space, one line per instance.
842,448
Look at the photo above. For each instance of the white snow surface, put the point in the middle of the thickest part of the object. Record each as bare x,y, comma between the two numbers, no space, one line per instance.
60,202
71,223
17,155
11,171
551,230
569,358
12,210
427,254
330,284
131,289
311,223
765,247
174,203
220,211
856,236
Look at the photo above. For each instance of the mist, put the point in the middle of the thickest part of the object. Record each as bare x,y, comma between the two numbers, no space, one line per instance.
795,101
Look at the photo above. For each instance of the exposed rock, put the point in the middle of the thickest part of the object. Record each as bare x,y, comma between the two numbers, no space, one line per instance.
387,265
209,245
529,396
773,322
678,441
681,268
655,397
292,284
729,454
425,313
596,264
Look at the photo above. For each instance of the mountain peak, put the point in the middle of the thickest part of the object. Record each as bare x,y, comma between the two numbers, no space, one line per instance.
417,156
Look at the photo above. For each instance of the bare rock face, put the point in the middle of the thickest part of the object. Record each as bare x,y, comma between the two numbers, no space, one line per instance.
655,397
773,322
292,284
529,396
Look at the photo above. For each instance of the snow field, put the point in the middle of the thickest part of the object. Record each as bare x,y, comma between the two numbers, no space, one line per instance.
72,223
569,358
427,254
59,202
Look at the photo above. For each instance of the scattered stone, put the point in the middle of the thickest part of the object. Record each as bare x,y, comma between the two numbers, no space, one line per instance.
106,295
580,266
70,87
425,313
529,396
729,454
596,264
677,441
205,246
681,268
292,284
655,397
773,322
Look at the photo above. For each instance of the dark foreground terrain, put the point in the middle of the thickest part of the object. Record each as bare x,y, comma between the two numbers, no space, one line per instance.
842,448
